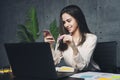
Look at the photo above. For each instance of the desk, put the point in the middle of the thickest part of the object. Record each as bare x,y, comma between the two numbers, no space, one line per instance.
69,78
7,76
96,76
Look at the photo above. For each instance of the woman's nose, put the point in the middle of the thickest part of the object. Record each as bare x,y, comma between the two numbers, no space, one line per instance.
66,24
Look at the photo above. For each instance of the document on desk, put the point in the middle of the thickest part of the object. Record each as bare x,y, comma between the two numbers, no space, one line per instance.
97,76
64,69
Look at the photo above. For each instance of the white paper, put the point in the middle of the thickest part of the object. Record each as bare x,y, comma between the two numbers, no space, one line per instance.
97,76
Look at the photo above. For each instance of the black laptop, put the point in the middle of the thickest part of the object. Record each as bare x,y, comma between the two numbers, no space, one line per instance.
32,60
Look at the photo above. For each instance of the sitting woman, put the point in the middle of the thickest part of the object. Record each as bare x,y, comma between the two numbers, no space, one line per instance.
76,43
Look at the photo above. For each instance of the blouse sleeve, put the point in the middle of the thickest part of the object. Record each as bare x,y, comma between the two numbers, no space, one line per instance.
85,52
57,55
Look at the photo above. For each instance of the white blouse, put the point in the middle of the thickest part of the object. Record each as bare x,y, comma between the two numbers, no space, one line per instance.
82,59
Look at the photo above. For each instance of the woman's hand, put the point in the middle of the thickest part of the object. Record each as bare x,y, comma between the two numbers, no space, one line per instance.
66,38
69,41
48,37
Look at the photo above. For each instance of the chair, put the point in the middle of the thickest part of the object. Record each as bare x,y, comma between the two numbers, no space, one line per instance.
105,55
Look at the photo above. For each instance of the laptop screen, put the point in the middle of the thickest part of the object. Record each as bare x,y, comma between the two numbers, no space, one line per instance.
31,60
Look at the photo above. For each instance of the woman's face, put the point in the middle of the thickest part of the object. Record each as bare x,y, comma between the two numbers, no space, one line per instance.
69,23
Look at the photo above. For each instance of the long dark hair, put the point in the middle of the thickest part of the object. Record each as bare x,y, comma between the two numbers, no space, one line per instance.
77,13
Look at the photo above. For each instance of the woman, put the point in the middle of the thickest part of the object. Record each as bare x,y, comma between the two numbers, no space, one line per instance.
76,43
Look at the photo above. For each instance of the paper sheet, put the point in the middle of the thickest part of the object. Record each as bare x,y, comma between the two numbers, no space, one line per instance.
97,76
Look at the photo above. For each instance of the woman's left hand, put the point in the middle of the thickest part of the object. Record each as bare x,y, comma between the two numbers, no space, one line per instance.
66,38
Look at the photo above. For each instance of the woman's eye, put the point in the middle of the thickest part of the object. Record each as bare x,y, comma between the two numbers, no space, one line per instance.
68,20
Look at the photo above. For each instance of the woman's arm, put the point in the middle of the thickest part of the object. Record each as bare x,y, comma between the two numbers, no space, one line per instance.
57,55
84,52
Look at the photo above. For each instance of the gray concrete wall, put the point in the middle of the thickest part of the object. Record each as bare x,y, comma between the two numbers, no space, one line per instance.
103,18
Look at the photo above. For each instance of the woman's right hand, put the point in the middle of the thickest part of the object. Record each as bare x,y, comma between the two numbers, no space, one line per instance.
48,37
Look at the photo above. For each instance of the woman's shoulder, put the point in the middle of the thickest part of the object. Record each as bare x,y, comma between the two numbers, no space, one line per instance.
91,36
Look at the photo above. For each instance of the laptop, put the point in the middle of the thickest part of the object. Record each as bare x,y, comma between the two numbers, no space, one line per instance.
32,60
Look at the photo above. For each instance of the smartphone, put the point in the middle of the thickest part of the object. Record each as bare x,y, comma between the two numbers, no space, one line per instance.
46,33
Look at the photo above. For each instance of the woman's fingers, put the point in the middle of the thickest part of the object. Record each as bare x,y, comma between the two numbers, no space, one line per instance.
67,38
49,39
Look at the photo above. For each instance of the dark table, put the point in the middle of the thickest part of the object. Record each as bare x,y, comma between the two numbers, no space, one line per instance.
8,76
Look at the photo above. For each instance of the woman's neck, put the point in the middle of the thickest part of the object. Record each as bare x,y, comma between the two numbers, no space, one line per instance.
76,36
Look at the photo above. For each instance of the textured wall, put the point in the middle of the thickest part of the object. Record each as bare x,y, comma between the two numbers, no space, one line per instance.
109,20
103,18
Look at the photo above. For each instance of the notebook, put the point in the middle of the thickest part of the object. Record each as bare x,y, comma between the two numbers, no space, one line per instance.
32,60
